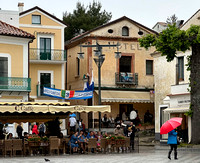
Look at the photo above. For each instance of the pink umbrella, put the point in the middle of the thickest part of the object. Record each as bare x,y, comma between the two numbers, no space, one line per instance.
170,125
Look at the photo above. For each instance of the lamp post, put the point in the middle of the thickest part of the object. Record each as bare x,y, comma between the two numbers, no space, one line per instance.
99,61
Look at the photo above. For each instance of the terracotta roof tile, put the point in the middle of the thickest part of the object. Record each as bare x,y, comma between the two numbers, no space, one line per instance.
9,30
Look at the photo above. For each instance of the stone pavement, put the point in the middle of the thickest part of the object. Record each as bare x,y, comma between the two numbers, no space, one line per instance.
146,155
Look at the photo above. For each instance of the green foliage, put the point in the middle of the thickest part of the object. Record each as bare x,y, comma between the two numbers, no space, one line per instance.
190,112
168,42
84,19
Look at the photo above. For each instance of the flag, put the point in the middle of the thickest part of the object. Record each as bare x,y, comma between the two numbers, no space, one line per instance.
90,87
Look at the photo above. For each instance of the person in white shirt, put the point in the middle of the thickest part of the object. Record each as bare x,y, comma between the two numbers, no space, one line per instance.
72,124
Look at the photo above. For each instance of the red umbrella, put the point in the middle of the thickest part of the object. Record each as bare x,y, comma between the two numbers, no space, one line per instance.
170,125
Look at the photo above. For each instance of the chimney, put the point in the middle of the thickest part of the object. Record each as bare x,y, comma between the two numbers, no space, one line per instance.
20,6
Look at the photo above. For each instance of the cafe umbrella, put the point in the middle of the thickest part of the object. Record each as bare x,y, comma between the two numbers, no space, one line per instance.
170,125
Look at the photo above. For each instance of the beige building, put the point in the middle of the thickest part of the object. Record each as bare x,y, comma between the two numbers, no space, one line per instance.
172,98
127,82
15,82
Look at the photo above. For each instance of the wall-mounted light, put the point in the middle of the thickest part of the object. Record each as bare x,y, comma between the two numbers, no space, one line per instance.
97,53
81,54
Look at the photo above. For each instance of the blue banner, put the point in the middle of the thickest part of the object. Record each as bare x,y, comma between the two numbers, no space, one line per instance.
66,94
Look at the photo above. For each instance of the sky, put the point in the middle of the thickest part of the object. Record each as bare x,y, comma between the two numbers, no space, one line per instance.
146,12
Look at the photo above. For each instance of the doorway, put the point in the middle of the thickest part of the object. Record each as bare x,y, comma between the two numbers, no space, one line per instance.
45,81
45,48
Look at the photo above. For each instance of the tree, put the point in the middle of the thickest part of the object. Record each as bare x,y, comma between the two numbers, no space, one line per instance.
84,19
168,43
172,19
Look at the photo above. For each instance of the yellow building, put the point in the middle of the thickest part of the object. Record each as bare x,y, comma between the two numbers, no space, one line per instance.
47,56
15,83
127,82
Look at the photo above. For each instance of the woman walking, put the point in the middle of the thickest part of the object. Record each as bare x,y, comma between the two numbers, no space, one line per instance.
172,141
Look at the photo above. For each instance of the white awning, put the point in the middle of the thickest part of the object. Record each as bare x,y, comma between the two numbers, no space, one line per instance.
125,96
177,110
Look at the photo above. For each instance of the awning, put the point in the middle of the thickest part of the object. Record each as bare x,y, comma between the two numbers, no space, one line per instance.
43,113
52,109
34,103
80,108
177,110
125,96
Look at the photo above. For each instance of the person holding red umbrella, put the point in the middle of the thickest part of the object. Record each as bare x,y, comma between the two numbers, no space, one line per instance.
172,141
169,127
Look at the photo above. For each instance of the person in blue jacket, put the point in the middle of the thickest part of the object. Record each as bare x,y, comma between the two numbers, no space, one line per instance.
172,141
74,142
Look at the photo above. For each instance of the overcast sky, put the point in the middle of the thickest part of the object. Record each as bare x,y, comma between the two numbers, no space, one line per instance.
146,12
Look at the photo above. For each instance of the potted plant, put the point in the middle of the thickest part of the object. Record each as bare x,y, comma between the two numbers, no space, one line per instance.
44,140
35,141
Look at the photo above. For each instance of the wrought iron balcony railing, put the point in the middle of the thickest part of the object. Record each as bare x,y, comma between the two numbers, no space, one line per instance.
15,84
40,88
126,78
47,54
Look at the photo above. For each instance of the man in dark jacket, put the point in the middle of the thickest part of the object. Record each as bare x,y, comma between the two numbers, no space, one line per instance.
19,131
132,130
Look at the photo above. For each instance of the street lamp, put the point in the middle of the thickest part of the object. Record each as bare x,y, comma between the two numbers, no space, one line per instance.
99,59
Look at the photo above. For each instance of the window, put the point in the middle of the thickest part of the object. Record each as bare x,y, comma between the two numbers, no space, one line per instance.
125,64
125,31
3,67
78,66
149,67
36,19
181,68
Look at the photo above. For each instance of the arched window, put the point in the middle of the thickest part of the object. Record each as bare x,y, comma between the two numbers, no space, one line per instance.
125,31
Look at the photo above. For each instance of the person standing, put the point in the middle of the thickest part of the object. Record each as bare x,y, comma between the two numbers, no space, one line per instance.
72,124
172,141
132,130
42,129
19,131
35,130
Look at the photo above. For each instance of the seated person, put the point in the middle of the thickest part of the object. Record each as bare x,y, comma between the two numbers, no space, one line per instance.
26,135
99,137
111,121
74,142
10,136
90,135
105,120
82,138
118,131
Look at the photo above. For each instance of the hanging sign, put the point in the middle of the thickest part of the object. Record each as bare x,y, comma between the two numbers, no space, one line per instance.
66,94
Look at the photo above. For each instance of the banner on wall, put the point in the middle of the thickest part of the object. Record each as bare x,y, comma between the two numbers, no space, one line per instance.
66,94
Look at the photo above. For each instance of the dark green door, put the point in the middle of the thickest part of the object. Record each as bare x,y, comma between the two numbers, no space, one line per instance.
45,81
45,48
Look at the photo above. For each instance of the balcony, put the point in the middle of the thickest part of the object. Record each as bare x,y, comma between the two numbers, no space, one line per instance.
129,79
40,88
15,84
52,55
